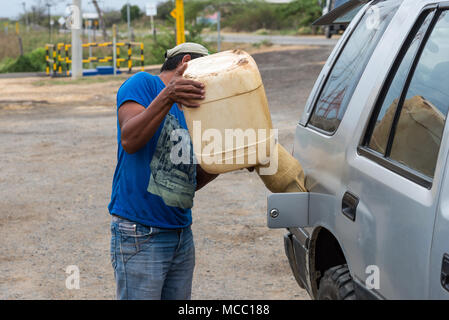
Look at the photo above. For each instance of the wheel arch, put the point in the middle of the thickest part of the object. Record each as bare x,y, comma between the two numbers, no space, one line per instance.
325,252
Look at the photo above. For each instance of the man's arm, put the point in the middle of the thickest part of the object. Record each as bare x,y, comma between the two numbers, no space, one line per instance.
138,125
203,178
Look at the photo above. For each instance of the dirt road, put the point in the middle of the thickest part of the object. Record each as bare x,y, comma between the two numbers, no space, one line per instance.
57,156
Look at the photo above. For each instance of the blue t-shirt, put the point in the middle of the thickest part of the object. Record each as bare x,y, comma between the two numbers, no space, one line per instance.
156,185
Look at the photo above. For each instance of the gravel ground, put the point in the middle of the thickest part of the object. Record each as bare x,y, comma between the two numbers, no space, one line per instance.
57,155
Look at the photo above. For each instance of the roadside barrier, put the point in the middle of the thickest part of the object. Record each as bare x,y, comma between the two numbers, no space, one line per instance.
131,57
58,63
50,52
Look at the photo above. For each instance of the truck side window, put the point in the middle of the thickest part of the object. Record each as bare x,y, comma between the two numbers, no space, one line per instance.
409,125
419,130
381,133
347,70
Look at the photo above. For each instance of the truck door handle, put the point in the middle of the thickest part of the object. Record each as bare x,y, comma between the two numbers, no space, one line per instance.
349,205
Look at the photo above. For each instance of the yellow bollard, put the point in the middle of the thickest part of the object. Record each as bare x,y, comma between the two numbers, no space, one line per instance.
178,14
47,57
54,62
142,57
130,61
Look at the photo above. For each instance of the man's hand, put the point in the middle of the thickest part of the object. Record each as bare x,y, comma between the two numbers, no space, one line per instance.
184,92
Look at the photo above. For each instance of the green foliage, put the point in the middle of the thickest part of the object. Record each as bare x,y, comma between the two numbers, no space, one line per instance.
194,32
134,12
37,59
262,32
112,17
84,80
36,14
164,9
263,43
267,43
252,17
5,63
31,62
157,49
240,15
194,9
305,30
301,13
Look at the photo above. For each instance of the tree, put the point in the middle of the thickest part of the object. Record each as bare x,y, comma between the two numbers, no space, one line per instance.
303,12
164,9
112,17
37,15
102,22
134,11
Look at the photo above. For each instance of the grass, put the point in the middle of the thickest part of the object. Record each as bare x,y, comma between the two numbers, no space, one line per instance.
153,52
154,49
84,80
9,46
263,43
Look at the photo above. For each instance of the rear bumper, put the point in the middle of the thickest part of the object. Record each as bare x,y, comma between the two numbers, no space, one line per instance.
296,245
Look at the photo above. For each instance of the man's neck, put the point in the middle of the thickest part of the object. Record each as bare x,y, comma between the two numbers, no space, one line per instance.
166,76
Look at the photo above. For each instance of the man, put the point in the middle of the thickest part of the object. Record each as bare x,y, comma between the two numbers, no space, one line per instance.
152,249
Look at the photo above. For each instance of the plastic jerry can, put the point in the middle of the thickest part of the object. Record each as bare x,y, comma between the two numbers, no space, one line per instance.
232,128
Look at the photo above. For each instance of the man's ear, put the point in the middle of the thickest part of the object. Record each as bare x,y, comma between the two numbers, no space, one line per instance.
186,58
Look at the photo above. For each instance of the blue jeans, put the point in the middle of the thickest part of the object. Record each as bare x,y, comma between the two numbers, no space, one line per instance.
151,263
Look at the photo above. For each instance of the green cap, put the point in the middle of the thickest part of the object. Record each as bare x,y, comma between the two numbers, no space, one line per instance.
187,47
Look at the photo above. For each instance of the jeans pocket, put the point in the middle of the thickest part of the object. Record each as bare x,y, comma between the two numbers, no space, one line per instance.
132,237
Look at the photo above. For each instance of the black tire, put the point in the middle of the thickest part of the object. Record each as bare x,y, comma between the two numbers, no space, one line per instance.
337,284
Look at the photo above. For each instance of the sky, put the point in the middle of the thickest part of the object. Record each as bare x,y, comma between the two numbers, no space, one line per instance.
13,8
